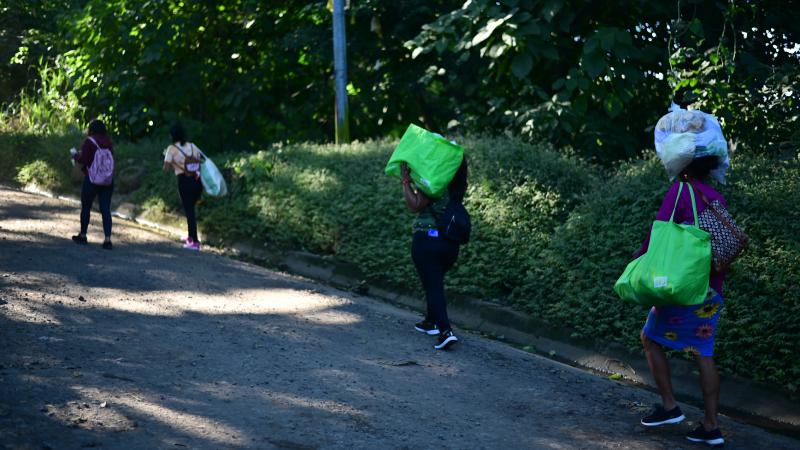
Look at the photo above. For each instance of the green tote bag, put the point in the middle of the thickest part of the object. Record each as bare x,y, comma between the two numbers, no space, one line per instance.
432,159
675,269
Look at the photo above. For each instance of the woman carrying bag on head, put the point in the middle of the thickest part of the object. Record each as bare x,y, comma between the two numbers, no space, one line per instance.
432,252
184,158
691,147
97,164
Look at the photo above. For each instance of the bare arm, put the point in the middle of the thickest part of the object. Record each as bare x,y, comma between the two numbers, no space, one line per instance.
168,164
416,201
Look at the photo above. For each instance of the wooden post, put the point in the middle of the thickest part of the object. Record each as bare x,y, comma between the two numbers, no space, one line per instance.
340,73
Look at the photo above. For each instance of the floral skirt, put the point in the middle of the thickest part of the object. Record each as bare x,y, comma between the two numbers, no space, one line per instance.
688,328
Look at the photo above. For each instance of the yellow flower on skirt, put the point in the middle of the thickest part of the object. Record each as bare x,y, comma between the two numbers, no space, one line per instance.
671,335
707,311
692,350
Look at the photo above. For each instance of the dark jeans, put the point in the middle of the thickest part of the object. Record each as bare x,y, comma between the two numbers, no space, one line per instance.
88,192
190,189
433,257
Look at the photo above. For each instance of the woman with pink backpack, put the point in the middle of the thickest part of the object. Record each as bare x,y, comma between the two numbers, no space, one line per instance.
97,159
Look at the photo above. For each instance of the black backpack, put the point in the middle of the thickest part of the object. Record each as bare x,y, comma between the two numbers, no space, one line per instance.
454,223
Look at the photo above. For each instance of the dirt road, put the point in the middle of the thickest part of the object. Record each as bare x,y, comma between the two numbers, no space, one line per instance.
149,346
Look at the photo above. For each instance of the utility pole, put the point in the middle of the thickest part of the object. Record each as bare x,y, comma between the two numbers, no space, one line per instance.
340,73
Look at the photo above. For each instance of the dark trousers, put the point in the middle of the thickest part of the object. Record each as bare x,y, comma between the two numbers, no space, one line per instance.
88,192
433,257
190,189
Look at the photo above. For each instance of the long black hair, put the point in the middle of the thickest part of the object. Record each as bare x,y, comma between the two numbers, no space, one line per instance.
178,133
97,127
457,188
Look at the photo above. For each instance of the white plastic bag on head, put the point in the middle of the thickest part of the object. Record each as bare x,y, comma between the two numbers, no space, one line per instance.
676,152
682,135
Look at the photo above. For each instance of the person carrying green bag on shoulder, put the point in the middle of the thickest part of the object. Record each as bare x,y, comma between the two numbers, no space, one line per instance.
441,226
688,327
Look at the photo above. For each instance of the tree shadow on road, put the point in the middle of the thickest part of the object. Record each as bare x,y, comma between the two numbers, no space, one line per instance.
149,346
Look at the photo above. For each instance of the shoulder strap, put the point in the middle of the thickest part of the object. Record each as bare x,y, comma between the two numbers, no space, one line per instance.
702,196
178,147
94,142
199,152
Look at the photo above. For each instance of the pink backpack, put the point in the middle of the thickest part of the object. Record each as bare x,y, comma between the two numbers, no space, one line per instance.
102,169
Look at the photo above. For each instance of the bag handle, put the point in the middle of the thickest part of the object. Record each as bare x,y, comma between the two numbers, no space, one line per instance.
694,206
721,217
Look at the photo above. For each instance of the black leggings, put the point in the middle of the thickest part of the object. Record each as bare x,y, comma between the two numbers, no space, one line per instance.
190,189
88,192
433,257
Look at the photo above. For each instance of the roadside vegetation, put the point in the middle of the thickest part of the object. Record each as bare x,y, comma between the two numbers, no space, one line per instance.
554,101
551,232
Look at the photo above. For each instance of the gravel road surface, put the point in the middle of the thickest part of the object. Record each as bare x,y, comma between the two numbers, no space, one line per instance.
149,346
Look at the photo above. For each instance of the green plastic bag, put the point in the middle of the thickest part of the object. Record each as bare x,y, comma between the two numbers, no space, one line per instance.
675,270
432,159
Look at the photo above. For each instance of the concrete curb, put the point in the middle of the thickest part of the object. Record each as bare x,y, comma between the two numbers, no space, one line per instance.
743,399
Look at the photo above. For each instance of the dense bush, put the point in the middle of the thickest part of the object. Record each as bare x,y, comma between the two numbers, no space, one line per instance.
337,201
551,233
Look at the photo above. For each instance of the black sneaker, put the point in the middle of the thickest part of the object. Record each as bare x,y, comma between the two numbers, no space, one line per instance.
107,245
446,339
426,327
78,239
661,416
712,438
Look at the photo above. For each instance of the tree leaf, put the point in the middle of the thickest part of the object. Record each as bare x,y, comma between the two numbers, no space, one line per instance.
551,8
696,27
549,52
594,64
613,105
488,29
521,65
497,50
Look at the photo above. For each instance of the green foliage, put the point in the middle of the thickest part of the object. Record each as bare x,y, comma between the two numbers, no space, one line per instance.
50,108
742,63
236,72
596,76
551,233
590,76
28,40
579,73
35,159
40,174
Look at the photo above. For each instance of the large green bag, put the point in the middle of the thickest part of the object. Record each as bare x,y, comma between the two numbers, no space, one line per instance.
432,159
675,269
